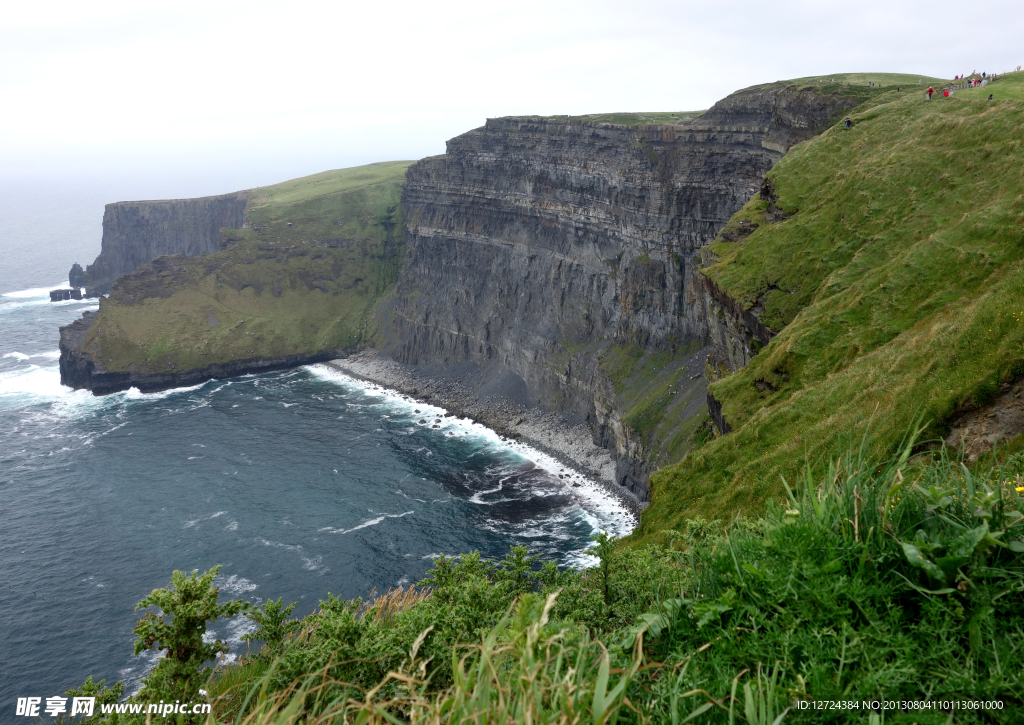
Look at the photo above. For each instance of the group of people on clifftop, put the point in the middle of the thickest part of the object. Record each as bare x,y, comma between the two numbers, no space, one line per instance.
980,80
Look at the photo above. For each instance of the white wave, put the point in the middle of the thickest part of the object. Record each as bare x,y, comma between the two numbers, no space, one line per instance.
199,519
235,584
119,425
34,291
279,545
313,563
34,383
365,524
238,627
136,394
601,509
19,355
476,497
141,665
14,305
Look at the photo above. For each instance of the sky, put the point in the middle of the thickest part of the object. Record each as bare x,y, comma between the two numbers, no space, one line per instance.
251,93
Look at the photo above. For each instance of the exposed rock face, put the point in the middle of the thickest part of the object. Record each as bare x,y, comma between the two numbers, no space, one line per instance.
58,295
736,332
76,277
715,411
534,240
978,429
137,232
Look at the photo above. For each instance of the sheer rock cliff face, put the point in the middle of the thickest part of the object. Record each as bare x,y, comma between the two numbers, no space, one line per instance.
534,243
137,232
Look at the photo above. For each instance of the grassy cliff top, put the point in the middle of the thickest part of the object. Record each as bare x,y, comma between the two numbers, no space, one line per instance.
895,278
328,183
625,118
833,80
862,79
302,277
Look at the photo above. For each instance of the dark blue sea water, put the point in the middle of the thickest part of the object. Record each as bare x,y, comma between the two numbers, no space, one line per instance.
299,483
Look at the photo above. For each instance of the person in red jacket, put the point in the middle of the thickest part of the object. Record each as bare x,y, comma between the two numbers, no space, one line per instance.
930,92
945,93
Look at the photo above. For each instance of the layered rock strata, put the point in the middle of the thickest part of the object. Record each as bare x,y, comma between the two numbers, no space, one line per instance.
535,243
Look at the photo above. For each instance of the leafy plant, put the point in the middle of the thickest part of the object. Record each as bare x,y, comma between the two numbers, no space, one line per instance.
272,625
184,611
104,696
605,552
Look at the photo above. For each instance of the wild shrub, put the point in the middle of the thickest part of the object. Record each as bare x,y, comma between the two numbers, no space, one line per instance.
178,628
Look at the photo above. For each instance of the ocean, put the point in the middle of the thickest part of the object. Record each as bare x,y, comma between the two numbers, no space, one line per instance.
298,483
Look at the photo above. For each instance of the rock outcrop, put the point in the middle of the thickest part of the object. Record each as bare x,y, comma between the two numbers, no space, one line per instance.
137,232
736,331
76,277
58,295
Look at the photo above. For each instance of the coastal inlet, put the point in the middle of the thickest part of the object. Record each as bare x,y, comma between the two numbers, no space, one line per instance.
300,483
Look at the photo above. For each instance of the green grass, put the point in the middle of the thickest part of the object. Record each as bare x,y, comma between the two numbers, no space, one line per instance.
635,119
862,79
657,399
896,287
303,277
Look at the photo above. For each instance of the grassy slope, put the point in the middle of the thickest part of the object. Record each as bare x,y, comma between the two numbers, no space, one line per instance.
896,284
660,406
275,289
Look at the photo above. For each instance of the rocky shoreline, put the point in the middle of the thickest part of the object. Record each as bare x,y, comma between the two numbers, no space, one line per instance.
570,442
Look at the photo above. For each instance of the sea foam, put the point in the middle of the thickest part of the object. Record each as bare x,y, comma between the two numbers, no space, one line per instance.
600,508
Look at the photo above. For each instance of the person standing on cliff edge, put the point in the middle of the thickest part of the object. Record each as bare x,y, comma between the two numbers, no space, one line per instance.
930,92
848,122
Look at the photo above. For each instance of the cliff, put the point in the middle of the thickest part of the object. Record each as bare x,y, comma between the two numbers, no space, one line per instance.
559,256
549,248
136,232
294,286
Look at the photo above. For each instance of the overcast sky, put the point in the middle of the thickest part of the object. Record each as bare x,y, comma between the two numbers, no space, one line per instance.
272,90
